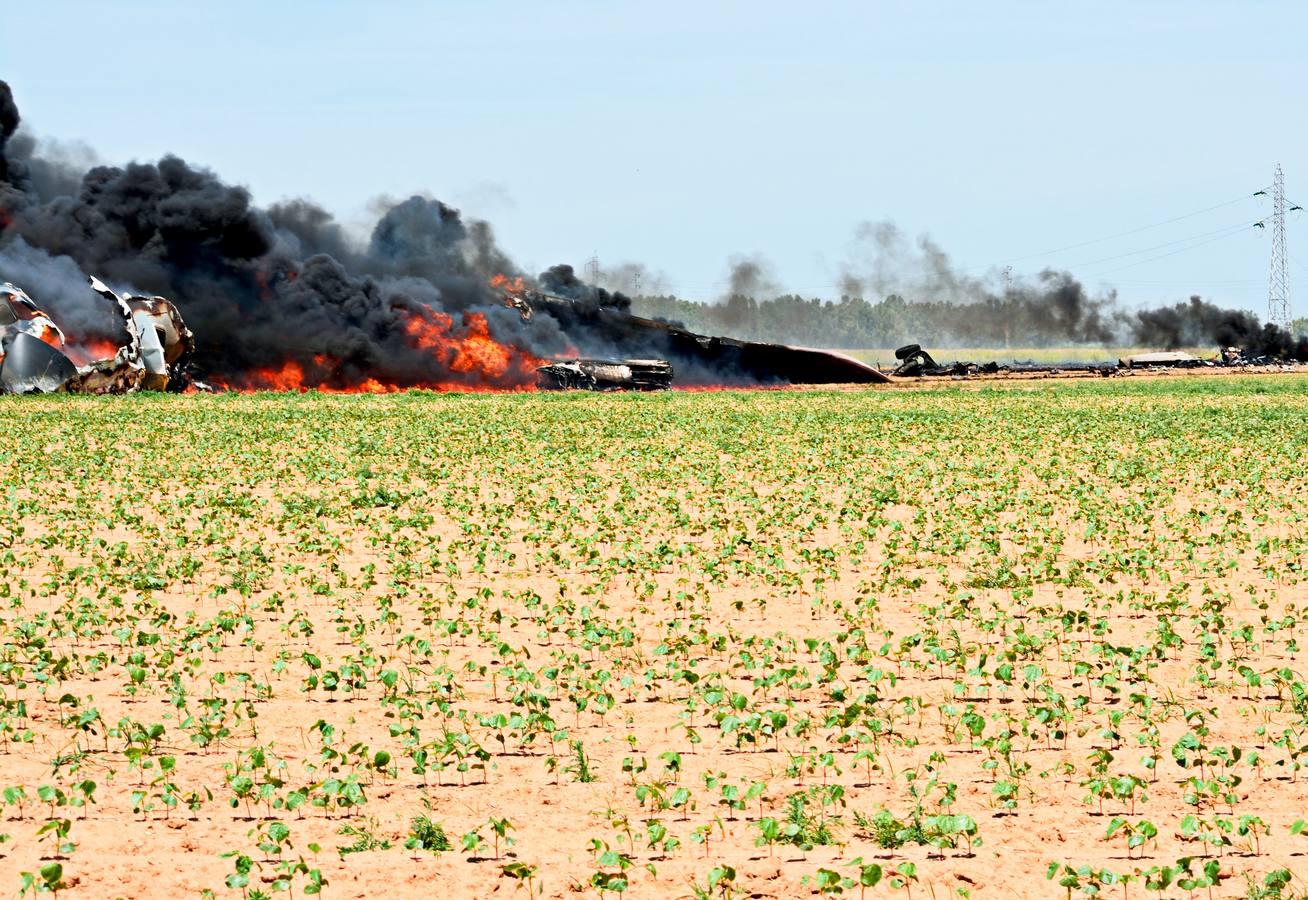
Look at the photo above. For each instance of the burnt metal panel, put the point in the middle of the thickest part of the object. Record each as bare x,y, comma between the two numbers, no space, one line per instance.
607,375
32,366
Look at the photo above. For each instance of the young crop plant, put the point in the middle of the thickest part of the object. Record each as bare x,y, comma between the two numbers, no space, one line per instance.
425,834
719,884
366,838
524,874
49,879
579,768
1138,834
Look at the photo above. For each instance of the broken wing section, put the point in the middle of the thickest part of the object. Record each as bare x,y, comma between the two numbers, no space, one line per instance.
19,314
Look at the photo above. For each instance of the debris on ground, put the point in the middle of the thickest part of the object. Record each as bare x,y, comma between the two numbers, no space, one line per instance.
607,375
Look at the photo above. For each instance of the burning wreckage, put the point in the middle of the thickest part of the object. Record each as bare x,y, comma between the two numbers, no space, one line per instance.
668,349
153,349
37,357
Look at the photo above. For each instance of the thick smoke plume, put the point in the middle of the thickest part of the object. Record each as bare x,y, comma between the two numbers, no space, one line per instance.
1197,323
285,296
1050,309
750,276
562,281
281,296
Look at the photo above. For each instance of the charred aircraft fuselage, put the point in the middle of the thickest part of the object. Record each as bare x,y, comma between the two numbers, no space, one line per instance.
699,359
606,375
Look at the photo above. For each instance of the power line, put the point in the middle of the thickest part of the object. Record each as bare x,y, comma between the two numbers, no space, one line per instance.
1175,281
1220,237
1189,215
1228,228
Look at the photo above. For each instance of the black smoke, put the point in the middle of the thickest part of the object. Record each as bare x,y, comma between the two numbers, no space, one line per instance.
260,288
13,176
1199,323
750,276
562,281
1055,304
9,120
1050,309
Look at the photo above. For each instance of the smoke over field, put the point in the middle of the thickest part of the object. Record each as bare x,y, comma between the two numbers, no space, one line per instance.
280,297
897,290
1050,308
283,297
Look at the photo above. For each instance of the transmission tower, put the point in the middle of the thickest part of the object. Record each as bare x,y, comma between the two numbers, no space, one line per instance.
592,269
1278,288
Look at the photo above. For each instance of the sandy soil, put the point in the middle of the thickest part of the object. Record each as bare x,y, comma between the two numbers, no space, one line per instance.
933,603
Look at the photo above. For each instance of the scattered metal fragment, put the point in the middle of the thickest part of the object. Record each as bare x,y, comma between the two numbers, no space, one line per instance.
19,313
166,342
1163,359
607,375
914,362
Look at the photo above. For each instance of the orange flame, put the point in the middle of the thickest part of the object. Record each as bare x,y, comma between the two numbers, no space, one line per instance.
475,361
87,350
473,353
287,377
505,283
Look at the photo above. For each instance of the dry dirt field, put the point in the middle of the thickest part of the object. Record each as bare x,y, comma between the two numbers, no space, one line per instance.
883,643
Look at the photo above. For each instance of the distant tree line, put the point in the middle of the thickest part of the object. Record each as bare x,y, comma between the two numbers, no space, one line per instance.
850,322
1058,314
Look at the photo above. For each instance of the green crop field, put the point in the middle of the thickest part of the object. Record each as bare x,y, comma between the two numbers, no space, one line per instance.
1012,640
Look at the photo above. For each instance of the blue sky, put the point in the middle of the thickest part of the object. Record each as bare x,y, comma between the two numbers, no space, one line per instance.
679,134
